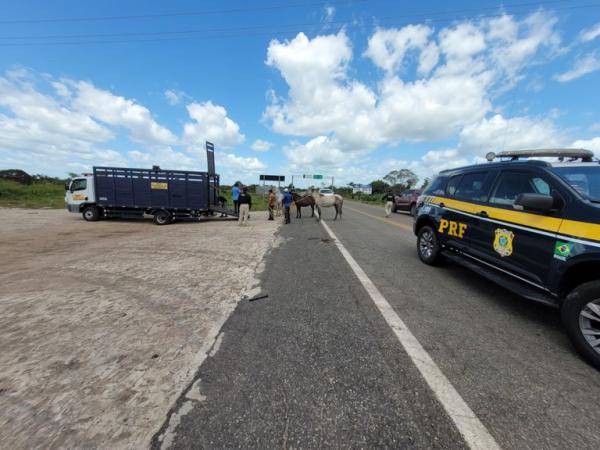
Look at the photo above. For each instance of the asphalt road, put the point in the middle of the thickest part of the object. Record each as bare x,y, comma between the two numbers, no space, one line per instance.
315,365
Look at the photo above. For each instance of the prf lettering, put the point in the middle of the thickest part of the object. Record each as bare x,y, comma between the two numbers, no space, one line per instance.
456,229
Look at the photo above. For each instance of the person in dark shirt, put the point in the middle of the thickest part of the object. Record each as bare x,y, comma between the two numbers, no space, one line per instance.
388,198
222,203
287,202
245,202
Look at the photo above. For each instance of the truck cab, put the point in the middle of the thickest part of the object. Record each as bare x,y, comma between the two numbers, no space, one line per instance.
80,196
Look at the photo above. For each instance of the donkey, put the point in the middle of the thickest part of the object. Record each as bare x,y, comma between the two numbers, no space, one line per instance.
302,201
327,201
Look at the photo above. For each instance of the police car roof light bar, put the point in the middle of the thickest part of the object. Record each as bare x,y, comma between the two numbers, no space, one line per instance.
575,153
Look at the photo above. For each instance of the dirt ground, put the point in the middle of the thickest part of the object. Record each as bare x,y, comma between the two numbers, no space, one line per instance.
102,325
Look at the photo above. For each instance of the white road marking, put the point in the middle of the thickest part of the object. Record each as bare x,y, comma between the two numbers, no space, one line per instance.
468,424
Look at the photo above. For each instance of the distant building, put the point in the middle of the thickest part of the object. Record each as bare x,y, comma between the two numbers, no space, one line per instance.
362,188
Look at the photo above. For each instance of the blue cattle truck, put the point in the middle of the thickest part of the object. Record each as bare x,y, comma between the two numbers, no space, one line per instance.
166,195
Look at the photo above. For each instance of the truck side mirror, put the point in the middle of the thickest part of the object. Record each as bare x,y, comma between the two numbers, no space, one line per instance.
534,202
67,185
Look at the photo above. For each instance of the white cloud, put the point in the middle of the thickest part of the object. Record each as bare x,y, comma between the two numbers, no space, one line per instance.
499,133
583,66
260,145
174,97
211,123
591,33
55,126
241,163
589,144
320,151
388,47
119,111
460,69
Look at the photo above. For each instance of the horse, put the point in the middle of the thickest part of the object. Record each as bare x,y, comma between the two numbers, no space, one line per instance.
278,203
327,201
302,201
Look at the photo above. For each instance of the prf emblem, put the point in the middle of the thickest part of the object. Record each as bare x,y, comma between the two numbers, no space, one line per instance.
503,242
452,228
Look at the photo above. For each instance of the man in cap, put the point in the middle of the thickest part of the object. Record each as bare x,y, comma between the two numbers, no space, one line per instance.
245,202
388,198
287,202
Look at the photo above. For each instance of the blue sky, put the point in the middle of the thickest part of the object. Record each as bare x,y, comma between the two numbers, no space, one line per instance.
352,89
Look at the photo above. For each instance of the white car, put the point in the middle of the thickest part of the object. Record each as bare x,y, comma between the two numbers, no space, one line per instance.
326,192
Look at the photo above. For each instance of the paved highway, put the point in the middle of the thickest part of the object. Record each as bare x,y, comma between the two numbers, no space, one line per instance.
316,364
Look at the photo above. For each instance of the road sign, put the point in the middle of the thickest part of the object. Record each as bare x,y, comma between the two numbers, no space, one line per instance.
272,178
313,177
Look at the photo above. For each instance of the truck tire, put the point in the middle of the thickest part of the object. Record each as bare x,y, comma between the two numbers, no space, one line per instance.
581,317
162,217
428,246
90,213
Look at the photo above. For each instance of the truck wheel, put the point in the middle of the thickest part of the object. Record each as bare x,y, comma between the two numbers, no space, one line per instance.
581,317
428,246
90,213
162,218
413,209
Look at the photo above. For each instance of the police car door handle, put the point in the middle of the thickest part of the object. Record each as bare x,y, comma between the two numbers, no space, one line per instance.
482,214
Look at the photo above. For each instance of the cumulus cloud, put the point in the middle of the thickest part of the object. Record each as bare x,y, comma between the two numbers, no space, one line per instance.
460,69
589,144
55,126
241,163
260,145
211,123
583,66
388,47
591,33
119,111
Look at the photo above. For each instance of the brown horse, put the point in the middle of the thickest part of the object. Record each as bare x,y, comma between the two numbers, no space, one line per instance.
301,202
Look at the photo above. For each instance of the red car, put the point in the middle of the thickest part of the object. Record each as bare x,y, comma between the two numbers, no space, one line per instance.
407,201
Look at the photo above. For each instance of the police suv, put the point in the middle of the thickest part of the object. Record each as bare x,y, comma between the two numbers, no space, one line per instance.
530,221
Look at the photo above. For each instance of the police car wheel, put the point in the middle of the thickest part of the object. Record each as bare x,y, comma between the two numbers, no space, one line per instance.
90,213
428,246
581,317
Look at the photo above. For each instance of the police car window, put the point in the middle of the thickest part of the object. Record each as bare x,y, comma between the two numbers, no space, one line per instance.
78,185
471,187
511,184
585,180
437,186
452,185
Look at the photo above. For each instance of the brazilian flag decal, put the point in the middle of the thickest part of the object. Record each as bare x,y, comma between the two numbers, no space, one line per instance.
562,250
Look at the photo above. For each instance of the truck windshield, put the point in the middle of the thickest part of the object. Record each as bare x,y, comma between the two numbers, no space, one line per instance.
585,180
78,184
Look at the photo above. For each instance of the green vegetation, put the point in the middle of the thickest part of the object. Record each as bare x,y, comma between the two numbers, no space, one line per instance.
43,194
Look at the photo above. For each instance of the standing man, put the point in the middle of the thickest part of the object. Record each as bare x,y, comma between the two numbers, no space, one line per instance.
287,202
388,198
245,203
272,201
235,195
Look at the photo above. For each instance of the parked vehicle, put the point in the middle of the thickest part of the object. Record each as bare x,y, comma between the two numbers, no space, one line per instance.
531,226
407,201
166,195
